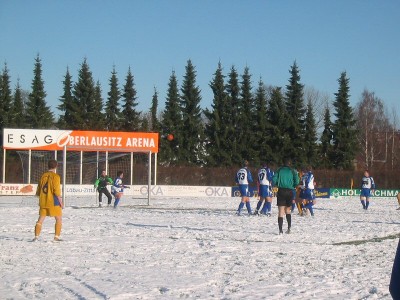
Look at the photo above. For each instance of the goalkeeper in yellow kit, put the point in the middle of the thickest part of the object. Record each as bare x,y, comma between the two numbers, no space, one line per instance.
50,201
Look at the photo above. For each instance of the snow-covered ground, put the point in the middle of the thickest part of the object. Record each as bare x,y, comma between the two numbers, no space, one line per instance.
197,248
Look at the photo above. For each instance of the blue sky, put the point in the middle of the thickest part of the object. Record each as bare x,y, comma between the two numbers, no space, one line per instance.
156,37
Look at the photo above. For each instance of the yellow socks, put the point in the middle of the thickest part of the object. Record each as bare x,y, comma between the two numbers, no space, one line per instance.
58,228
38,228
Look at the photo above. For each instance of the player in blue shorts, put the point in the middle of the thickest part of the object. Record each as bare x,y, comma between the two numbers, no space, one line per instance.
264,190
243,178
117,189
307,192
367,188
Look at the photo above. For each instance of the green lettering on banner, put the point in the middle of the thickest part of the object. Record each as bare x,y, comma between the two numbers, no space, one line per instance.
336,193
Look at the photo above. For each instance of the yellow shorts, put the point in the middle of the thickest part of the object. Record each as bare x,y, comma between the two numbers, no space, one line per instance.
50,212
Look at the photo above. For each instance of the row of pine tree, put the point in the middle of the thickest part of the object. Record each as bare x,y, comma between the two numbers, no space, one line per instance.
263,126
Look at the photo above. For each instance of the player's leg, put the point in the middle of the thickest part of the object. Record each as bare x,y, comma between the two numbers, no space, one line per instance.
100,197
363,197
293,200
248,206
39,223
117,199
259,203
288,211
57,227
267,206
108,195
241,204
281,213
243,188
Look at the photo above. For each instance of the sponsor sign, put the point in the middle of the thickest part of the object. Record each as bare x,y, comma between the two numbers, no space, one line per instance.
322,193
134,190
182,191
253,192
17,189
75,140
346,193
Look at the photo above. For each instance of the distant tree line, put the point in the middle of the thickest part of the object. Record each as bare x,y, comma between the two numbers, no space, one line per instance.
262,124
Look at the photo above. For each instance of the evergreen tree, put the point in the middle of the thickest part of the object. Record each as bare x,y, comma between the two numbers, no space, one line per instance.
280,141
112,106
246,119
193,130
39,115
67,104
262,138
83,92
18,114
171,124
326,141
344,131
233,109
131,117
98,109
145,123
296,116
5,98
155,124
216,129
310,137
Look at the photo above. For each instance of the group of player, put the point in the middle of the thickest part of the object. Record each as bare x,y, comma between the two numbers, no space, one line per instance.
117,188
303,194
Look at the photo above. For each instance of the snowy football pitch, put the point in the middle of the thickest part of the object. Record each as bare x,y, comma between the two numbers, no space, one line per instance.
197,248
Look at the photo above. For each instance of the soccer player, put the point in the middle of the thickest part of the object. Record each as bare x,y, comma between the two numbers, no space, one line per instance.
307,193
394,286
367,186
243,178
286,179
101,185
265,190
398,200
50,201
117,189
296,192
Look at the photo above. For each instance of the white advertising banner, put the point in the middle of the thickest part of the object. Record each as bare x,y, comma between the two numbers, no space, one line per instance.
134,190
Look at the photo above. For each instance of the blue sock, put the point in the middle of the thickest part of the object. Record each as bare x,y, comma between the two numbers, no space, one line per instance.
240,206
264,209
293,206
363,203
366,204
268,206
310,208
116,202
248,207
259,205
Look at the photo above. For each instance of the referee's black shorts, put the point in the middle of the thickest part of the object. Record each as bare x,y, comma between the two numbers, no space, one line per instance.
284,197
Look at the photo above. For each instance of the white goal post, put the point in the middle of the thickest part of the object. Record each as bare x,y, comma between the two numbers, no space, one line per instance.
72,141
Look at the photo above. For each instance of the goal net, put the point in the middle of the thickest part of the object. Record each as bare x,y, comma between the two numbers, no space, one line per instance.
83,168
